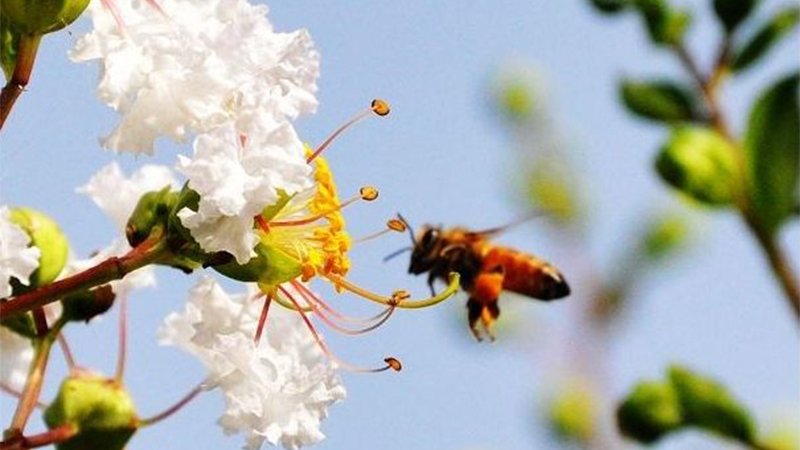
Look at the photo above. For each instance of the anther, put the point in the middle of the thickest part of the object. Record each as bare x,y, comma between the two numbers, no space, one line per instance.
368,193
400,295
380,107
396,225
394,364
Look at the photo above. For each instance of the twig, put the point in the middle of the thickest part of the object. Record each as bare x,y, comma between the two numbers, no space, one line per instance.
23,67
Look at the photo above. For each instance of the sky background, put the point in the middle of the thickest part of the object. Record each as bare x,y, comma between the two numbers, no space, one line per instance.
443,156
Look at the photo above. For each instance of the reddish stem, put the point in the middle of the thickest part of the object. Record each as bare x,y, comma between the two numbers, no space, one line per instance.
54,436
23,67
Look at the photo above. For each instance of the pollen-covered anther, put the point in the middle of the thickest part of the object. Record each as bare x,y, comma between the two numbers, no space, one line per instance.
400,295
380,107
393,363
396,225
368,193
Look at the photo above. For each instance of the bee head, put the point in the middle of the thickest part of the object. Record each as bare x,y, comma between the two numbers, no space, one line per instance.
425,251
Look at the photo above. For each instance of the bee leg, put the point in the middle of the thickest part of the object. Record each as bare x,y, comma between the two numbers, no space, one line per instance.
482,302
431,280
474,310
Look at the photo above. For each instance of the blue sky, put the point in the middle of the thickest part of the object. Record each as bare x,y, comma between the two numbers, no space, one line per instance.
443,156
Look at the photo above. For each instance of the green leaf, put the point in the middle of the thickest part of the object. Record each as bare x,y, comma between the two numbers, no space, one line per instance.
610,6
772,147
665,235
9,40
708,405
770,34
649,412
699,163
733,12
660,100
665,25
572,414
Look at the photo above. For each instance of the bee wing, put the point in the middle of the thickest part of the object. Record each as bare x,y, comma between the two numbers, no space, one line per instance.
519,221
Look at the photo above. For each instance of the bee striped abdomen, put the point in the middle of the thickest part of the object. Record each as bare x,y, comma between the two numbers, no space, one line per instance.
526,274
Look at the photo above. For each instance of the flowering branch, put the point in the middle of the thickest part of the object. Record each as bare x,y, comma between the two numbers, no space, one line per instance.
148,252
775,255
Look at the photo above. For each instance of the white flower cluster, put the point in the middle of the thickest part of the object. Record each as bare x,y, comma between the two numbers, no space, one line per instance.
214,70
276,391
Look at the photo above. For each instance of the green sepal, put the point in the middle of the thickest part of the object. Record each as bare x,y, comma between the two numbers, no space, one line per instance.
270,266
100,411
39,17
699,163
46,235
772,153
733,12
658,100
779,26
152,210
649,412
708,405
273,210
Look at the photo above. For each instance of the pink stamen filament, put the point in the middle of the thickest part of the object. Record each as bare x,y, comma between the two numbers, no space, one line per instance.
372,236
65,349
123,338
308,295
262,320
328,352
112,8
357,118
174,408
315,308
15,393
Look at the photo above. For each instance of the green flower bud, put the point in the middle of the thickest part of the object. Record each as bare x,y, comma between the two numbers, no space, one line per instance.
48,237
84,306
99,410
664,236
700,163
38,17
708,405
572,414
649,412
152,210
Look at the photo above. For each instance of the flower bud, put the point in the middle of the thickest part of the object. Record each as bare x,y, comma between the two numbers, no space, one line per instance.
700,163
38,17
48,237
152,210
572,413
84,306
649,412
708,405
99,410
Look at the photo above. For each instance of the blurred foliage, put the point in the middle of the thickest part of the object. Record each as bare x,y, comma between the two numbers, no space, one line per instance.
665,235
658,100
733,12
685,399
700,164
770,33
9,39
782,434
771,151
572,413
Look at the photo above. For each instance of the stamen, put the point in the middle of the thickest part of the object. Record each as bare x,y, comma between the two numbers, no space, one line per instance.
378,107
123,338
366,193
262,320
452,287
174,408
112,8
391,225
65,349
308,295
391,362
386,315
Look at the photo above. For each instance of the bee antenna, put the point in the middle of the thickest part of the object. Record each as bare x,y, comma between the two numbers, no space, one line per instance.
410,229
396,253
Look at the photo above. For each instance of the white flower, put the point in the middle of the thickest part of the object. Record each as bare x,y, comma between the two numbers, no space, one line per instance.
117,195
17,260
237,178
277,391
200,64
16,354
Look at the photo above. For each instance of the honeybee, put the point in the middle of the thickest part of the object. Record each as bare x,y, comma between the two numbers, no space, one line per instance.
486,270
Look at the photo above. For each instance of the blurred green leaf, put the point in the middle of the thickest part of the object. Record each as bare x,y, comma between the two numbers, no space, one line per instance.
665,25
772,147
572,413
770,33
660,100
665,235
733,12
610,6
552,189
708,405
649,412
517,101
700,163
9,39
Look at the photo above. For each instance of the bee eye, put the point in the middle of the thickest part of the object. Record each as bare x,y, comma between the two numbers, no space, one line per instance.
429,236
